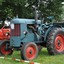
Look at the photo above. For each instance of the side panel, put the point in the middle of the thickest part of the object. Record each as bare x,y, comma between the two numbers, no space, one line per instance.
15,41
54,25
29,37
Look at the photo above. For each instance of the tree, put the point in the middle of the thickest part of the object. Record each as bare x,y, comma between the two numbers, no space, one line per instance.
17,7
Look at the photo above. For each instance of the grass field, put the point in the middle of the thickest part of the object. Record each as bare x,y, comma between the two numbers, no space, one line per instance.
43,58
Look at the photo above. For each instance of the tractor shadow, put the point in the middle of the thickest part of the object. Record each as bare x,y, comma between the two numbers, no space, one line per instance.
44,52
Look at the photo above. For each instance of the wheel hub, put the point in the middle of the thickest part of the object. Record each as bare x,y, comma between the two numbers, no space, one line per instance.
30,52
59,42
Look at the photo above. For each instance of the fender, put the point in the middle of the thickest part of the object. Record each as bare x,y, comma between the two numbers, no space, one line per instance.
54,25
47,32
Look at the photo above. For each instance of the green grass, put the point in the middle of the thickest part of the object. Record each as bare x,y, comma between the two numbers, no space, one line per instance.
43,58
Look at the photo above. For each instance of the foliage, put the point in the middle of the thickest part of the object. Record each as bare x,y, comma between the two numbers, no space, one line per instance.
17,7
62,15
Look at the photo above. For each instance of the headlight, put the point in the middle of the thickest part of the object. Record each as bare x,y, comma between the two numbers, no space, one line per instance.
12,26
7,34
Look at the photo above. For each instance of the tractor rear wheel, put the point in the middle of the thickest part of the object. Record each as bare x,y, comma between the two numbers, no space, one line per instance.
29,51
55,41
4,50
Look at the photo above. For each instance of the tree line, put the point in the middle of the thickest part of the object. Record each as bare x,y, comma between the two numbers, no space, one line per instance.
18,7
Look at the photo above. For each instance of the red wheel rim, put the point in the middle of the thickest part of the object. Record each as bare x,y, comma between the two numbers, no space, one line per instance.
59,43
31,52
3,51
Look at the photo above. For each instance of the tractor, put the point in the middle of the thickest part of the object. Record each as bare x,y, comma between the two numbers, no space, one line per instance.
5,40
32,34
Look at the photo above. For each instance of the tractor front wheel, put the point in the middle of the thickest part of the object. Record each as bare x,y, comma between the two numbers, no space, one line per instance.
4,48
55,41
29,51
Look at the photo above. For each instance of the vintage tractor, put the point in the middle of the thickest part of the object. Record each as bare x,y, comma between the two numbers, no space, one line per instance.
5,41
31,34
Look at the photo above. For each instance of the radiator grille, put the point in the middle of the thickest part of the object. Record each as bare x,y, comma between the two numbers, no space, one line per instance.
16,30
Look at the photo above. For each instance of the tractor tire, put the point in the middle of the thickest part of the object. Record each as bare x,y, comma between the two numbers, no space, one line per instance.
29,51
55,41
3,50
